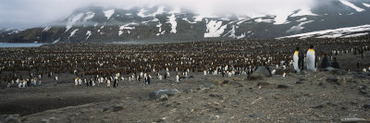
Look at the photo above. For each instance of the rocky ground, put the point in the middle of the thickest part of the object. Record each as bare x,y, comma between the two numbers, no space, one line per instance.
323,96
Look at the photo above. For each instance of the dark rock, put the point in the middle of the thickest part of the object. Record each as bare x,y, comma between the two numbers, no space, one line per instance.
262,83
188,90
333,79
282,86
113,108
226,82
117,108
363,87
353,103
366,106
299,82
320,84
331,104
215,95
363,91
319,106
260,73
362,75
158,93
254,115
160,120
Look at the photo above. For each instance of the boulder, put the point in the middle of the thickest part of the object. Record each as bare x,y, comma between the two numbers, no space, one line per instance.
333,79
362,75
207,86
366,106
299,82
113,108
163,97
260,73
159,93
282,86
254,115
230,82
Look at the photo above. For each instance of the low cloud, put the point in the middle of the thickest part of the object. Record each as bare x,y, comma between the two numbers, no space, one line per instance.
30,13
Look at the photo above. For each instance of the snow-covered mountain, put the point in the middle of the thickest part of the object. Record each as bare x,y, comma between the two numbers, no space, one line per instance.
158,23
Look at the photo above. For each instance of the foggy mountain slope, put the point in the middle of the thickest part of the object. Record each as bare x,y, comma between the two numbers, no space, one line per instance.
164,23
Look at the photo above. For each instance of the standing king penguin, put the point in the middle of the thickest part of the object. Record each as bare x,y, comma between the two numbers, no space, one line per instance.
296,60
311,59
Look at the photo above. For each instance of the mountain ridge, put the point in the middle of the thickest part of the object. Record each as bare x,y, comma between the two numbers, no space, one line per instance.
101,24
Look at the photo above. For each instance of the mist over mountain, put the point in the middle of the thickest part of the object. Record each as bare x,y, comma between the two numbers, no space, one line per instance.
166,22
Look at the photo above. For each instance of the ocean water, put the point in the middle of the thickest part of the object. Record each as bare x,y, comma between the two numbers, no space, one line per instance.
13,45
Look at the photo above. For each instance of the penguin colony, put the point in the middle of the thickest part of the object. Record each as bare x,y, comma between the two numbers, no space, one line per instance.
109,64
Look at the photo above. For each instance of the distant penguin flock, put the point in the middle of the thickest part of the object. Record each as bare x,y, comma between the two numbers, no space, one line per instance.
105,65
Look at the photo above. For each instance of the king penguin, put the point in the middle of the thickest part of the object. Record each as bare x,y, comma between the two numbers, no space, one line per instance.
295,60
311,59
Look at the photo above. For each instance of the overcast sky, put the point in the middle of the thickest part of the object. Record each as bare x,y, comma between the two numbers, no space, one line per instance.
30,13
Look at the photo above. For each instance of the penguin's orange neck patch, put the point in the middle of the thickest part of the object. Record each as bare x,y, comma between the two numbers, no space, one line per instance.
311,50
296,53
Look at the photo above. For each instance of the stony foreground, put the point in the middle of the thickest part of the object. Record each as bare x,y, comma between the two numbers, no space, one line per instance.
307,97
324,96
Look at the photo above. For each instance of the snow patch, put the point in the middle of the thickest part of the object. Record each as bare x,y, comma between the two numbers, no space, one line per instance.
73,20
260,20
109,13
73,33
281,19
232,33
187,20
299,27
302,19
353,6
225,19
141,13
89,15
126,27
214,28
56,41
303,12
159,25
242,21
46,29
172,21
129,26
88,34
367,5
331,32
198,18
356,35
330,36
